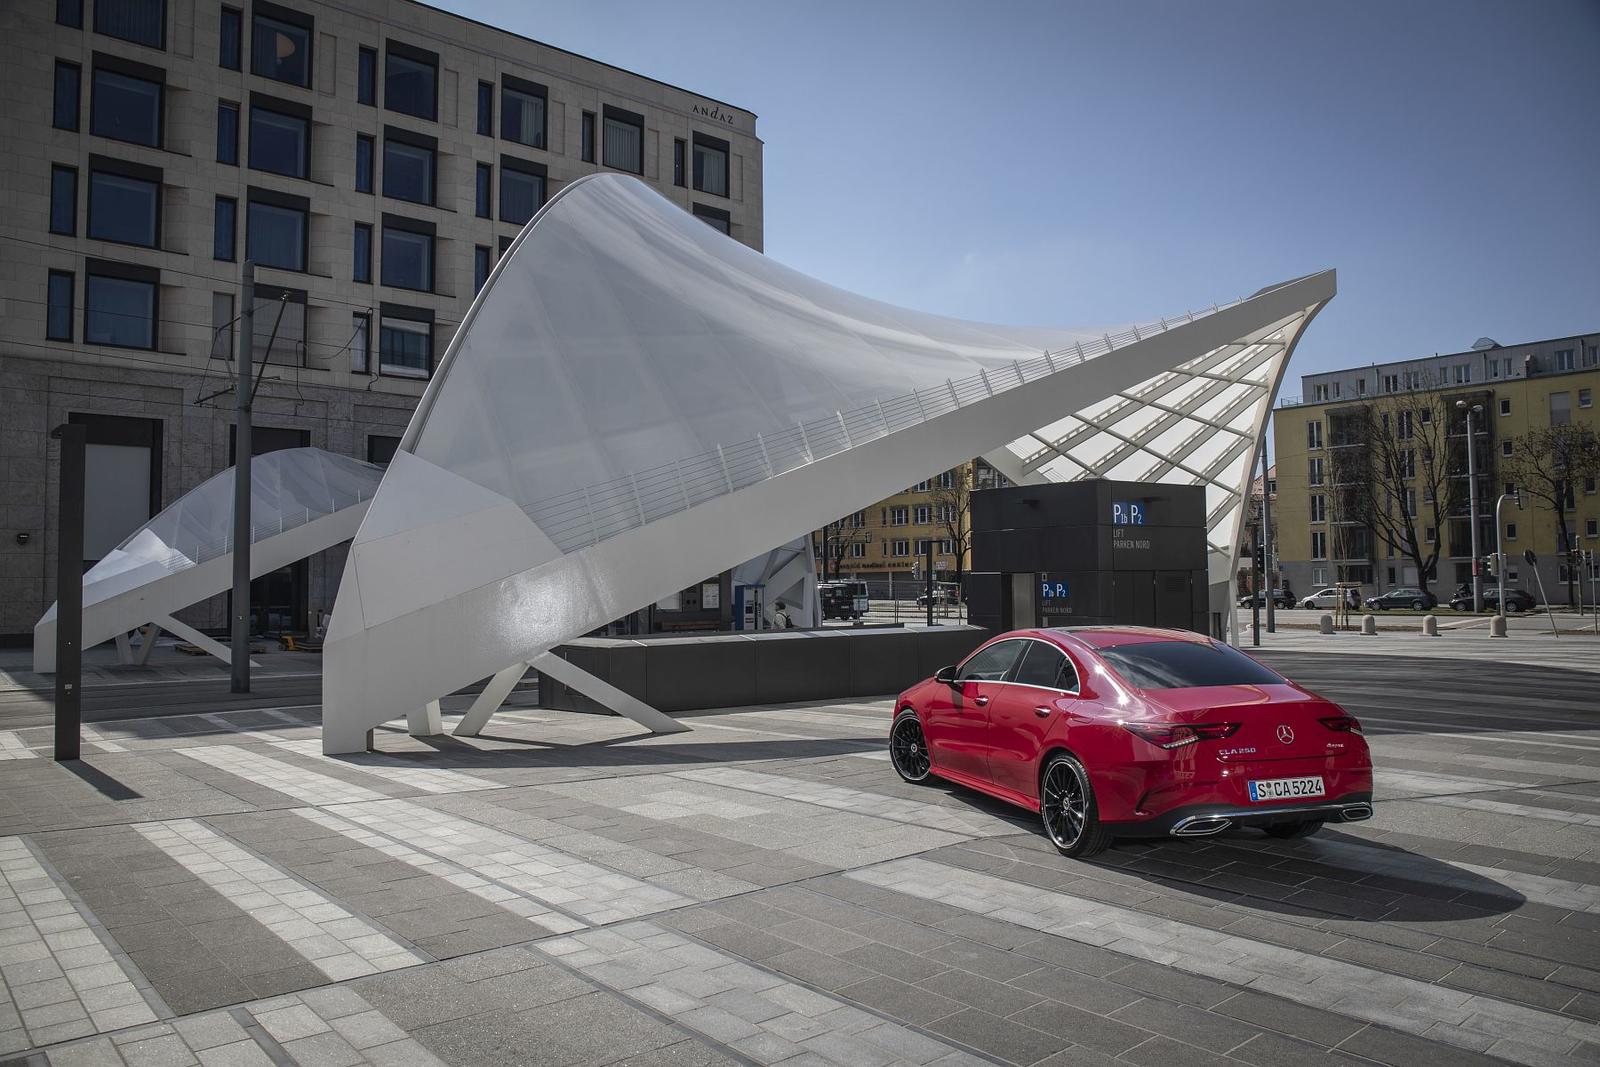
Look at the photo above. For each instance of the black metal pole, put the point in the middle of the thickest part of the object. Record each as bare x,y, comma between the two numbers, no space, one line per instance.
239,640
1266,536
69,593
927,565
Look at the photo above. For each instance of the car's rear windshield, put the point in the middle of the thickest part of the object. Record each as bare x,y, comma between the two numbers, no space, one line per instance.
1185,665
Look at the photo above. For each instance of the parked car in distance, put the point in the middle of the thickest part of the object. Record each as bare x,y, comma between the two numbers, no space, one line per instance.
1113,731
1403,597
843,599
1324,598
1279,597
944,594
1516,600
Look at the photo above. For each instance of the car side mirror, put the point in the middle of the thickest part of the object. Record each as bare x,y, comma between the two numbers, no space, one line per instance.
947,675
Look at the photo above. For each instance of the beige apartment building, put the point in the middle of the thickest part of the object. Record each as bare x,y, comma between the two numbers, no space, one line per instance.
374,158
1518,388
891,537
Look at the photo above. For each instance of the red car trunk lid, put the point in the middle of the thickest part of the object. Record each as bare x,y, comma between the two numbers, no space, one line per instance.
1275,721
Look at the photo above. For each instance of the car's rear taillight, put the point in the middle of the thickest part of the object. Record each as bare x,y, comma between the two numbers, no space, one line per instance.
1343,724
1177,736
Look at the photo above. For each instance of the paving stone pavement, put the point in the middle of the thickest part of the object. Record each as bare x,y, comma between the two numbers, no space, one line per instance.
208,888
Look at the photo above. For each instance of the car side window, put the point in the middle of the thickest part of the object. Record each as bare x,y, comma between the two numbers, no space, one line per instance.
1045,666
990,664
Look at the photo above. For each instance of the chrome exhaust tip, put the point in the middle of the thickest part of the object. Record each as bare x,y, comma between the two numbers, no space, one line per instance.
1356,813
1201,826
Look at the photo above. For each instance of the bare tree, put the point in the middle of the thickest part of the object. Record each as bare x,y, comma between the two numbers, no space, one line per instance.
952,507
1549,465
836,539
1395,470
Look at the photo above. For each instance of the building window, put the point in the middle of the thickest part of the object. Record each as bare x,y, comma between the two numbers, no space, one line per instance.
408,166
521,190
280,321
1561,409
1505,448
623,140
119,306
225,225
482,261
858,550
484,191
1591,527
1588,484
124,203
64,200
1429,535
280,143
365,152
69,13
361,261
361,342
125,108
229,38
924,514
679,147
486,108
69,77
1361,387
367,75
1319,544
407,254
1319,507
1586,398
411,81
381,449
1494,368
588,137
1321,394
58,320
1391,383
716,218
899,548
899,516
1314,471
1511,531
1314,435
1463,374
139,21
522,111
276,230
280,44
1407,462
222,326
405,346
710,165
1564,359
1505,406
228,133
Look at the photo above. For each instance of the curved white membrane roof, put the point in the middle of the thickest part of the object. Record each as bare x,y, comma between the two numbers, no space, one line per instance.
636,401
151,571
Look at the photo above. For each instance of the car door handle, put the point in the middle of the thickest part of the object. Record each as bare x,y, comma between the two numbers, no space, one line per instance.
980,701
1042,710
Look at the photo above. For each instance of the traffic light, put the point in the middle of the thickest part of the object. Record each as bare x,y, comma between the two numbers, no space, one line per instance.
1261,557
1491,565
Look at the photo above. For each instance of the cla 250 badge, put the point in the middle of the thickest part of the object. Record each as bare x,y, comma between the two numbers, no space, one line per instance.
1236,752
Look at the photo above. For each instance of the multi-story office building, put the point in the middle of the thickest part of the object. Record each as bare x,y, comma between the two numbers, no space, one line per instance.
890,538
1518,388
373,158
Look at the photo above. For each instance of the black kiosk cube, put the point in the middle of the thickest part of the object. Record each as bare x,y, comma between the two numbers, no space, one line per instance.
1089,552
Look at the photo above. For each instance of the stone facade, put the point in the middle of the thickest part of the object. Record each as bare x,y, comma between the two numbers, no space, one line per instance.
315,382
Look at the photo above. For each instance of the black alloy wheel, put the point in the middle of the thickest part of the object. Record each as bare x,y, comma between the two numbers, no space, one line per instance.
908,749
1284,831
1067,808
1419,605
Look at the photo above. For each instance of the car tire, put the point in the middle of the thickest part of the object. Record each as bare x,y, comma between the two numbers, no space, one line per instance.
1418,605
908,749
1068,810
1287,831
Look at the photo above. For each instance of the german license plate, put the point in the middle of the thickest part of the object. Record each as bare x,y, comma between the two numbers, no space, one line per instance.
1287,788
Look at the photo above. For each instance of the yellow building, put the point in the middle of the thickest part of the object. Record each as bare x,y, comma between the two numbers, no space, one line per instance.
890,537
1321,535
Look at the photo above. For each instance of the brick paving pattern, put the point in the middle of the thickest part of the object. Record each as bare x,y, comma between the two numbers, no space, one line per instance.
208,888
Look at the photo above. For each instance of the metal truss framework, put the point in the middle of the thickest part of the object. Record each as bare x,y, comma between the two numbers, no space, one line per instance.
635,402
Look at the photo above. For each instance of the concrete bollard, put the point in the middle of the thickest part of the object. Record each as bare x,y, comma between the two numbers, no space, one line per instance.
1430,626
1497,626
1325,624
1369,625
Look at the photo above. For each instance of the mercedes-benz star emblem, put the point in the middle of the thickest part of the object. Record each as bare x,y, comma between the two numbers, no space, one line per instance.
1286,735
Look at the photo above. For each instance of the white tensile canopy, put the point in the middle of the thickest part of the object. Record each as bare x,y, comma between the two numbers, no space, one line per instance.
302,500
636,401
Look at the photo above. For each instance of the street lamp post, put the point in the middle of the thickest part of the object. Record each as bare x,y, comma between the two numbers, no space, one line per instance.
1472,498
1500,559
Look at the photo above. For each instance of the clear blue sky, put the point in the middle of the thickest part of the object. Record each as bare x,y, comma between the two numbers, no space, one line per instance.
1089,163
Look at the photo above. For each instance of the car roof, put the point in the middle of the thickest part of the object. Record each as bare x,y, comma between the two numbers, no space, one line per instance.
1111,636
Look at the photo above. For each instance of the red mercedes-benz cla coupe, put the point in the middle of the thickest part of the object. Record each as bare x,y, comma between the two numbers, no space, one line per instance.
1129,732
